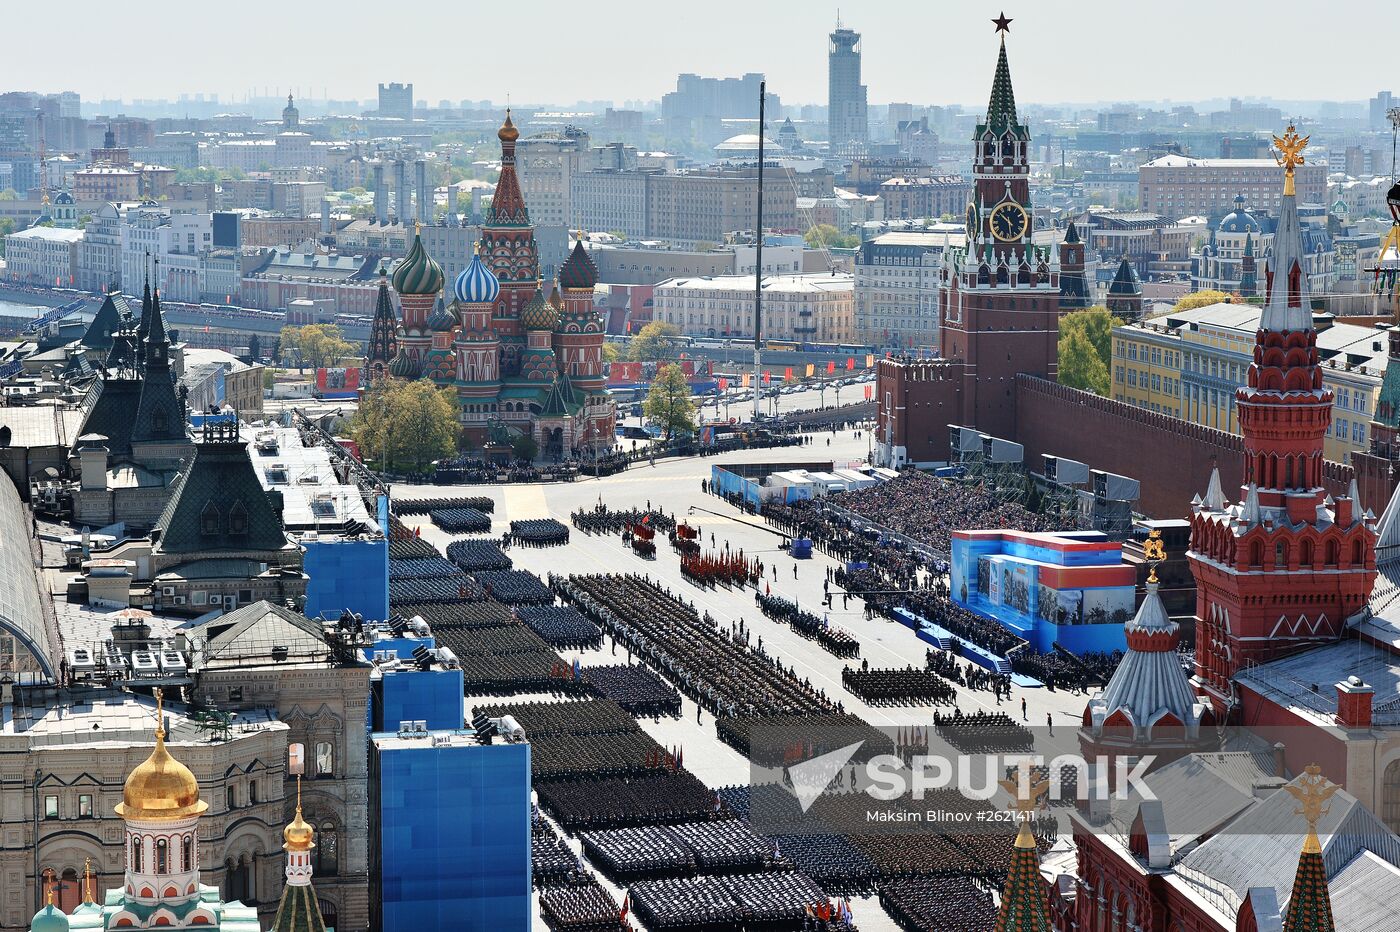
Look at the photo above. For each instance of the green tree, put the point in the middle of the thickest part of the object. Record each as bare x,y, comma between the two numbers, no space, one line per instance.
654,341
1201,299
668,405
406,425
1080,365
316,345
826,236
9,194
1088,330
269,378
612,352
524,447
7,226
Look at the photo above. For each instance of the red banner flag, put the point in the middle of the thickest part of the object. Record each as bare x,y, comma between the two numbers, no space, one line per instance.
850,363
831,367
868,392
767,376
787,374
723,384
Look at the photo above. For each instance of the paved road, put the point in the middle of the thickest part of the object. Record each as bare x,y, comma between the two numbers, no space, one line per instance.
674,485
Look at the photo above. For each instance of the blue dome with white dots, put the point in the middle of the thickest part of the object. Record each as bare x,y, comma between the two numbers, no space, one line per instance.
477,284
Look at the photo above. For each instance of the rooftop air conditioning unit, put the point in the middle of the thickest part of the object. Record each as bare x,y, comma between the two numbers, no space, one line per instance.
179,600
167,590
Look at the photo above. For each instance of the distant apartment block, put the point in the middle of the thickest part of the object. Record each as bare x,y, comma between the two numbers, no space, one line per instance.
1179,186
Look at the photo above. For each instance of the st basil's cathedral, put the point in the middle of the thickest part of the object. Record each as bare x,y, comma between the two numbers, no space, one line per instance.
522,358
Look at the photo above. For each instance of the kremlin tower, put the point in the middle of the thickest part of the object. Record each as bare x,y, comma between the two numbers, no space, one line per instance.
1283,568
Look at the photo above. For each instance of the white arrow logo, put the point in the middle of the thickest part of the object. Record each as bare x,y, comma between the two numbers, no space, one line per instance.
811,777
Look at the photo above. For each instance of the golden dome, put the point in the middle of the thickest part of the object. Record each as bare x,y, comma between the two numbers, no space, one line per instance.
298,834
508,132
161,789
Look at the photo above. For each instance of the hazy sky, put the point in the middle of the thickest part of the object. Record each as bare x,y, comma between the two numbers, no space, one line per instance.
918,51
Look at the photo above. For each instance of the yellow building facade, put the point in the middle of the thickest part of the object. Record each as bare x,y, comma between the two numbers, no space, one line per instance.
1189,364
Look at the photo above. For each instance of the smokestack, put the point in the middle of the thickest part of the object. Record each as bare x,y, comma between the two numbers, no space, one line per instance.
325,216
451,205
381,195
402,211
420,182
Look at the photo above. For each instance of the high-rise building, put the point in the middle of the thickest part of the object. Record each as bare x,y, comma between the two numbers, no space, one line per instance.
1380,106
846,116
396,101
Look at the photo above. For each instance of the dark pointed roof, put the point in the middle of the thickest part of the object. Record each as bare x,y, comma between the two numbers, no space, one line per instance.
218,503
160,414
145,313
1072,233
1001,108
507,203
562,398
298,910
1023,906
578,271
1125,281
106,322
108,410
1309,906
383,336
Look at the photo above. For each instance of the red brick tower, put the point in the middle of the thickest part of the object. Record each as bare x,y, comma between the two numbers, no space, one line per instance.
508,247
418,281
1000,300
1285,567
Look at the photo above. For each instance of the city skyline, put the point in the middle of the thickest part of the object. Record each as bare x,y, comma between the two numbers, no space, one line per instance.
1057,60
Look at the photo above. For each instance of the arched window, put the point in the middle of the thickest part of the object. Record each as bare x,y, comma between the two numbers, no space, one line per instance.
136,855
238,519
1358,553
325,759
329,914
252,792
68,892
238,880
1390,796
1280,555
327,851
230,797
1256,553
162,856
187,853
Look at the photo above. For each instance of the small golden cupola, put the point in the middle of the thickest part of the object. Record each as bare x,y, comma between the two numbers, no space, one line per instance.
161,789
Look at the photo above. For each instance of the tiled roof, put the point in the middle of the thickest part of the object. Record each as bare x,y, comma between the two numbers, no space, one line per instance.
106,322
298,911
219,505
110,409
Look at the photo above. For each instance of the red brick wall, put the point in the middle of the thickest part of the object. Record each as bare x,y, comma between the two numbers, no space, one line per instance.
1168,456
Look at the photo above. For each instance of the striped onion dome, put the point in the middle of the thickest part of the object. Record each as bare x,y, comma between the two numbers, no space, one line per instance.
477,284
403,366
441,319
539,314
418,274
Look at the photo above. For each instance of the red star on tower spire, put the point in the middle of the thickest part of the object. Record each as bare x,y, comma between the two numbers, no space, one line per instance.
1003,23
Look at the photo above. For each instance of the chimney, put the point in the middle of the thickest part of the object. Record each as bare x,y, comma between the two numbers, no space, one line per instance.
1280,760
1343,511
381,195
325,216
451,205
1354,703
401,204
420,184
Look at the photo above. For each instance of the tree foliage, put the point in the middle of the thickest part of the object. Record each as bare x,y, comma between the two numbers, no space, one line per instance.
525,447
1202,299
405,425
654,341
668,405
316,345
1086,349
824,235
612,352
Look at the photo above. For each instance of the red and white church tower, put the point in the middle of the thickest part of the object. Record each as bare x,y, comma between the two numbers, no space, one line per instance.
1283,568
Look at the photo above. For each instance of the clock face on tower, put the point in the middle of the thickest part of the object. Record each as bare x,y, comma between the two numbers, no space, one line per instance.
1009,222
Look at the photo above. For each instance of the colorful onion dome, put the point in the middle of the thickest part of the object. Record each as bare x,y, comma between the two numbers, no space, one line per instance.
298,834
508,132
578,271
538,314
441,319
477,284
403,366
418,274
